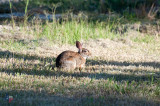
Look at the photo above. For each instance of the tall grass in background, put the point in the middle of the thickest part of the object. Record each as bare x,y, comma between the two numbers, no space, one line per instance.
70,27
12,19
26,9
73,28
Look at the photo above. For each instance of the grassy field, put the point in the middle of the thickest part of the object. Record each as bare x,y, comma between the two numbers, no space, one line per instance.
124,68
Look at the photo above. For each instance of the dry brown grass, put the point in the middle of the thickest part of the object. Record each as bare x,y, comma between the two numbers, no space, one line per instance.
118,73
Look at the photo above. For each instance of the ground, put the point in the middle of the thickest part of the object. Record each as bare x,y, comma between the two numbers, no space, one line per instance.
119,72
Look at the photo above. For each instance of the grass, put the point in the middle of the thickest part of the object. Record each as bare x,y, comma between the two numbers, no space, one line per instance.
121,74
28,77
31,83
70,31
82,26
144,39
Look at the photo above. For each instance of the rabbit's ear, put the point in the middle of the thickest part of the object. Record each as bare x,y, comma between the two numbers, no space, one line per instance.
79,46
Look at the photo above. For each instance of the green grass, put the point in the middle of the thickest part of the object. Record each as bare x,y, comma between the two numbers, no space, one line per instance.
30,79
144,39
27,73
18,45
85,87
70,31
82,27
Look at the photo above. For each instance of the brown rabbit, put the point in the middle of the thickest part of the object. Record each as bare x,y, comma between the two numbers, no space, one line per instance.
69,60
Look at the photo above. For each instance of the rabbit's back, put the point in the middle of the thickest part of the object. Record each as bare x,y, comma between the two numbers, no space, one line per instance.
69,60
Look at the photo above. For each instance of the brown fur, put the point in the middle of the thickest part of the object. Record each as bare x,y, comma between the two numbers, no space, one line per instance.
69,60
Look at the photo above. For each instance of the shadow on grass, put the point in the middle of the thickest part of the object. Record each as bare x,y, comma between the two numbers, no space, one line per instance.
39,69
30,97
115,77
116,63
34,98
8,54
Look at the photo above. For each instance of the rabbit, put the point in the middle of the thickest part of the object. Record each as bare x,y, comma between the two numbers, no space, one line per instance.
70,60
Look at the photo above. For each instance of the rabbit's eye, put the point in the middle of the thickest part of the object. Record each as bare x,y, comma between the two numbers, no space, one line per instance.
85,51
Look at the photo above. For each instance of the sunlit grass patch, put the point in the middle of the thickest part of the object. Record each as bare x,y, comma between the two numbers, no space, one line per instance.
15,45
70,31
144,39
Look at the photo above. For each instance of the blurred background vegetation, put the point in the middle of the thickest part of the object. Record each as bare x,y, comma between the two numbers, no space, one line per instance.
138,8
99,18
